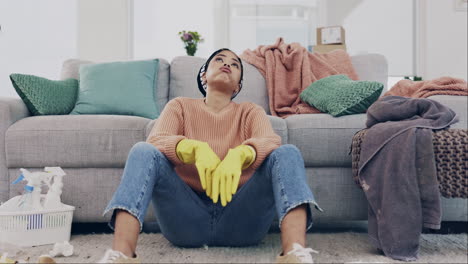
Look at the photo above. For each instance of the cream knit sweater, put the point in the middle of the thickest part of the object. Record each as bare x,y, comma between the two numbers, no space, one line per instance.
236,124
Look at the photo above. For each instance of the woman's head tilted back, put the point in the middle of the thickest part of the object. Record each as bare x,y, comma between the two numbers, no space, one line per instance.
223,70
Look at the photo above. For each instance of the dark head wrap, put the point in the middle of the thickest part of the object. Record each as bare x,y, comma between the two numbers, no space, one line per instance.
202,86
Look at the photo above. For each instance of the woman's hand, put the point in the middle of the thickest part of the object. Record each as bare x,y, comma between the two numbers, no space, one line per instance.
192,151
226,177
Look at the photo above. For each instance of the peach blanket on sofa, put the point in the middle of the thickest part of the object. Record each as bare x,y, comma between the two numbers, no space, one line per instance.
289,68
423,89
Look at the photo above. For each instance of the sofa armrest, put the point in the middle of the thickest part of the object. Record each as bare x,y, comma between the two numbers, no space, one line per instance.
459,104
11,110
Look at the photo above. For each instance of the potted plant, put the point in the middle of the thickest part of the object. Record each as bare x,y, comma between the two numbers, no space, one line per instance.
190,40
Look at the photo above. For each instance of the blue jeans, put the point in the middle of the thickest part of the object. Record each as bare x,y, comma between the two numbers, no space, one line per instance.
189,218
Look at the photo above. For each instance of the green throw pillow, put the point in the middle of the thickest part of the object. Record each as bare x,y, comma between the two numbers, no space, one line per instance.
45,97
338,95
118,88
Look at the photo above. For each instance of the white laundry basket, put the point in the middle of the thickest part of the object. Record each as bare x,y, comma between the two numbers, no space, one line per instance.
34,228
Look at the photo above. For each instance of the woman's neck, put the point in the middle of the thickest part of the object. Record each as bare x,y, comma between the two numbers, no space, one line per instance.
217,103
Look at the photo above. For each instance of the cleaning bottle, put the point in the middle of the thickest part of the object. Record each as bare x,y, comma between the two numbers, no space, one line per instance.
31,199
52,200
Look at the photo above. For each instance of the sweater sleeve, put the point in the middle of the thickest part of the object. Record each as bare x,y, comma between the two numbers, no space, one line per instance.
260,135
168,131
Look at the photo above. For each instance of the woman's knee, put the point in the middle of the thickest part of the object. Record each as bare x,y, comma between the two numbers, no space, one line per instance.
143,154
289,150
143,146
144,149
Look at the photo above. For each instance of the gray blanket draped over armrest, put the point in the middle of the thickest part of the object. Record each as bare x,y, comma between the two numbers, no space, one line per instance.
397,172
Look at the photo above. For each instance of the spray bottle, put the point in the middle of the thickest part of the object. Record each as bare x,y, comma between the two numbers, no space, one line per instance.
31,199
52,200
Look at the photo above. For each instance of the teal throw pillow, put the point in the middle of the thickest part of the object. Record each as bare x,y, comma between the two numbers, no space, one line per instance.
338,95
43,96
118,88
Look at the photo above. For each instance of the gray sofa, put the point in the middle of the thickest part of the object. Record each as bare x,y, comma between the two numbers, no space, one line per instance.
92,149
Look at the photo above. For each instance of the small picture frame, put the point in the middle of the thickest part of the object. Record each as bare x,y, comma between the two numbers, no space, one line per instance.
461,5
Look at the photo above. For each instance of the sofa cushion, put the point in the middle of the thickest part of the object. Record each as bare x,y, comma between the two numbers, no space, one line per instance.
339,95
371,67
81,141
118,88
184,70
324,140
150,126
46,97
71,68
280,127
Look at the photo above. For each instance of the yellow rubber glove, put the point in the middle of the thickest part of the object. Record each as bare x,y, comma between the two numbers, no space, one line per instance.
191,151
227,175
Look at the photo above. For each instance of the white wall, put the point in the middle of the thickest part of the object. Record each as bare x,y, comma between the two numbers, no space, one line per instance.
104,30
383,26
36,37
260,22
157,22
377,26
446,40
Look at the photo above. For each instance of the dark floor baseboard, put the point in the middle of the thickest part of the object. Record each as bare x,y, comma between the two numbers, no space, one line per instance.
449,228
90,228
330,227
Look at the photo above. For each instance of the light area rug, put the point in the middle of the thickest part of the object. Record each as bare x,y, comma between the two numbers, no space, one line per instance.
342,247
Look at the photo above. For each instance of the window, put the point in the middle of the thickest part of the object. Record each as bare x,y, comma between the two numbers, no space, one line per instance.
254,23
370,26
33,42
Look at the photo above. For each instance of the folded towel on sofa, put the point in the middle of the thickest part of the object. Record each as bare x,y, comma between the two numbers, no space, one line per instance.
423,89
289,68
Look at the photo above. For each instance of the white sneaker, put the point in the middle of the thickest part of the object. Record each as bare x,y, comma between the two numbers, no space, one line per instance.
298,254
114,256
